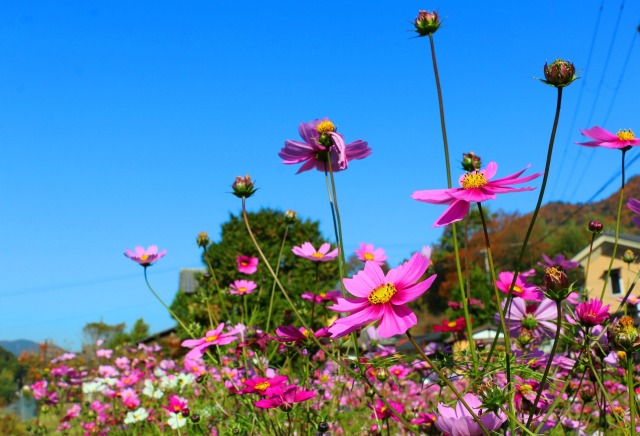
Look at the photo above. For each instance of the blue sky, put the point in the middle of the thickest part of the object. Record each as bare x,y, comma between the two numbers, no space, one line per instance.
124,123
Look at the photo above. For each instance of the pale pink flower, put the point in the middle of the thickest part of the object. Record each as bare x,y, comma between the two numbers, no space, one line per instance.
145,257
459,421
247,265
368,253
242,287
382,298
321,143
323,254
475,187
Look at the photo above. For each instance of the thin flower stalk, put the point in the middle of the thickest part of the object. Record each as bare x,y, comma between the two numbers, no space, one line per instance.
448,383
304,324
545,375
186,329
632,393
217,286
456,249
586,270
615,242
277,271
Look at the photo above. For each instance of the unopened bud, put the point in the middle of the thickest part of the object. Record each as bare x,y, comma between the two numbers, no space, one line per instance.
202,239
595,227
628,257
382,374
471,162
560,73
243,187
556,284
426,23
623,335
290,217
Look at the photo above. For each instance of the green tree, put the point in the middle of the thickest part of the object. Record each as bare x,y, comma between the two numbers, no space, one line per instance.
296,274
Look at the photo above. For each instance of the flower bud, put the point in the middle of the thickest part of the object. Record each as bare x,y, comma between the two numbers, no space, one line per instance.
243,187
525,337
426,23
492,396
587,392
382,374
290,217
471,162
556,284
185,412
623,335
195,418
323,427
560,73
202,239
595,227
628,256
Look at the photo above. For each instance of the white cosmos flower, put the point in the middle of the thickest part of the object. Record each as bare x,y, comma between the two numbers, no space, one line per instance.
140,414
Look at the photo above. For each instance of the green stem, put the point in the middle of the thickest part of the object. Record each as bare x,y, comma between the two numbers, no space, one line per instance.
273,288
443,127
586,271
448,383
223,306
186,329
632,393
615,243
549,362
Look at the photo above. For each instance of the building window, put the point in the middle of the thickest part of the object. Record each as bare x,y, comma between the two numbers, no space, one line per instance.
616,285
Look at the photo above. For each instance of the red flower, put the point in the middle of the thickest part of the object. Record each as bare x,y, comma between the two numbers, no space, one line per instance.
451,326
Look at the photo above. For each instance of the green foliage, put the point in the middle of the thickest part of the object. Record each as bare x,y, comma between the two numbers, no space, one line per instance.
114,335
296,274
11,372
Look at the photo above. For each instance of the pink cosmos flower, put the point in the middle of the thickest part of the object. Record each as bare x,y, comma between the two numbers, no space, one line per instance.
382,298
176,404
558,261
368,253
632,300
475,187
321,297
521,289
381,411
285,400
604,138
459,421
320,141
247,264
321,255
267,387
130,398
634,205
289,333
213,337
145,257
242,287
537,318
592,312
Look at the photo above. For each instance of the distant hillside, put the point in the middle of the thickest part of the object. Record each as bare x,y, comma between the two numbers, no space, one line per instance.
18,346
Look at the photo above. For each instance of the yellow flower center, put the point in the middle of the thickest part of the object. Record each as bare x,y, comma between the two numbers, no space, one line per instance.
626,135
242,289
323,295
324,378
382,294
306,333
262,386
144,257
622,355
211,338
517,289
451,324
474,180
368,256
318,255
524,389
325,127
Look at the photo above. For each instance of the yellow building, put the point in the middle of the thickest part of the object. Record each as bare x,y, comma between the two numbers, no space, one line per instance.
622,274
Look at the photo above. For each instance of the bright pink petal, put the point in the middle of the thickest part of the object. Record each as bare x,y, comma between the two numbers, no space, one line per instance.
434,196
396,320
455,212
349,304
406,295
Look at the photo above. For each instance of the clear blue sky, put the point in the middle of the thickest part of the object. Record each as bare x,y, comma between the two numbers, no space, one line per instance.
124,123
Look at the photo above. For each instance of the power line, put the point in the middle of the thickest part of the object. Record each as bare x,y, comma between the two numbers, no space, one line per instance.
582,85
593,108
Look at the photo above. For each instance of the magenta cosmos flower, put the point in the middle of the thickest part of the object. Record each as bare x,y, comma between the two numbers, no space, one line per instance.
604,138
321,255
558,261
521,289
382,298
286,398
320,141
368,253
322,297
242,287
475,187
247,264
145,257
592,312
212,337
459,421
634,206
